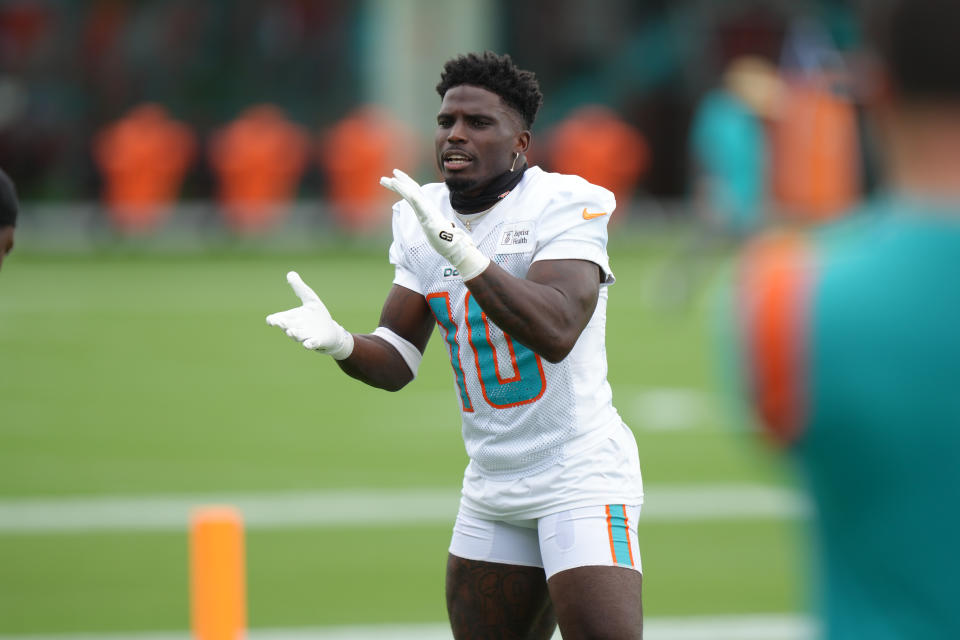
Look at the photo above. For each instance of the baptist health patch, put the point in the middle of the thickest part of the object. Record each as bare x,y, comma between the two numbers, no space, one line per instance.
516,237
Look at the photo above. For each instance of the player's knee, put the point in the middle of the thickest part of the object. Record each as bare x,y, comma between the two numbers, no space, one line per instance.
590,626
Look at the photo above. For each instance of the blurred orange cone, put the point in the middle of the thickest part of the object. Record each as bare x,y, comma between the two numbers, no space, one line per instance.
217,574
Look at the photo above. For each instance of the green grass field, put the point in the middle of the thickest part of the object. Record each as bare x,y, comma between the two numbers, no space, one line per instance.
156,374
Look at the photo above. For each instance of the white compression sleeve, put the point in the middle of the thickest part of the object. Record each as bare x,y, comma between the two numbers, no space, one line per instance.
410,354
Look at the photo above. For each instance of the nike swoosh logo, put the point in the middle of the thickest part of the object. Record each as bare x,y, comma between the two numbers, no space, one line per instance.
590,216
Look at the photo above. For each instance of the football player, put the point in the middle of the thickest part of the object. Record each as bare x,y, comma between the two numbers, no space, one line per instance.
849,341
509,262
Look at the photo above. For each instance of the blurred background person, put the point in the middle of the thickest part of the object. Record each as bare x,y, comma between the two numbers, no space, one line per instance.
815,172
8,214
848,345
730,173
259,159
729,147
144,157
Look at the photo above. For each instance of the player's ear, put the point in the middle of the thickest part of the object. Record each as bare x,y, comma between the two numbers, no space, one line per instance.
522,142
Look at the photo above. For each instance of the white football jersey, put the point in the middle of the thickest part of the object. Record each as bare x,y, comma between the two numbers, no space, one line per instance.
520,412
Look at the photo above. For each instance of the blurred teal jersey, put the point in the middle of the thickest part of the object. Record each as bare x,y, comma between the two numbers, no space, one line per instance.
729,147
850,345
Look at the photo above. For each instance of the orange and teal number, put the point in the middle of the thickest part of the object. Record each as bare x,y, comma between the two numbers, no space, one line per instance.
527,382
440,304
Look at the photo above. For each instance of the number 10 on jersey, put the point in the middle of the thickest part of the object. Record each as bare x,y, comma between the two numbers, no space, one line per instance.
526,382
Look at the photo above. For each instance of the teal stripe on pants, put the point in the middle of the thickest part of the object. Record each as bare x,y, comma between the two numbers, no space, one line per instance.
618,534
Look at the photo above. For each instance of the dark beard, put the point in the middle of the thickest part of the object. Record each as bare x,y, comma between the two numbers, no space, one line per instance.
483,196
459,185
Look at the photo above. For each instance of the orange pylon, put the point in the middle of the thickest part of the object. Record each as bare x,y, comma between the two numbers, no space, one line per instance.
218,604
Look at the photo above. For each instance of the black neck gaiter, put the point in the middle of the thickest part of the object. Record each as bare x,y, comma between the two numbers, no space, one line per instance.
493,193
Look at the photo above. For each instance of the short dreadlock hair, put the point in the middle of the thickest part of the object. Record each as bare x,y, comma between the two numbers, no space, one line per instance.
519,89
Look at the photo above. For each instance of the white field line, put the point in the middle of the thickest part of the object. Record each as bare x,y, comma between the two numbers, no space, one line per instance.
670,409
742,627
354,507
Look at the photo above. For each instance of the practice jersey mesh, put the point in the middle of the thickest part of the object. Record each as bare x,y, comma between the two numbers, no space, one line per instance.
520,413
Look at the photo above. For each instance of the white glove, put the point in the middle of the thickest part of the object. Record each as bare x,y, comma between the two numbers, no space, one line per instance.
446,238
311,323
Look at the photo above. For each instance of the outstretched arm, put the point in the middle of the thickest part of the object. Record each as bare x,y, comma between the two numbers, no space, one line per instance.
379,363
386,361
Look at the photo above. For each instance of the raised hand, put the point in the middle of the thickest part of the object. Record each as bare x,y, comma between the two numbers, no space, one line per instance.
311,324
447,239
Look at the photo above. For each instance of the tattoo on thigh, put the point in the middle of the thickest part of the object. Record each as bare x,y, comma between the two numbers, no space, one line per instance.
488,600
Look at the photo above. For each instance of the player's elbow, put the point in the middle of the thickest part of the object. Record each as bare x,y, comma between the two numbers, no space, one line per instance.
556,355
394,379
394,385
556,348
558,338
552,341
